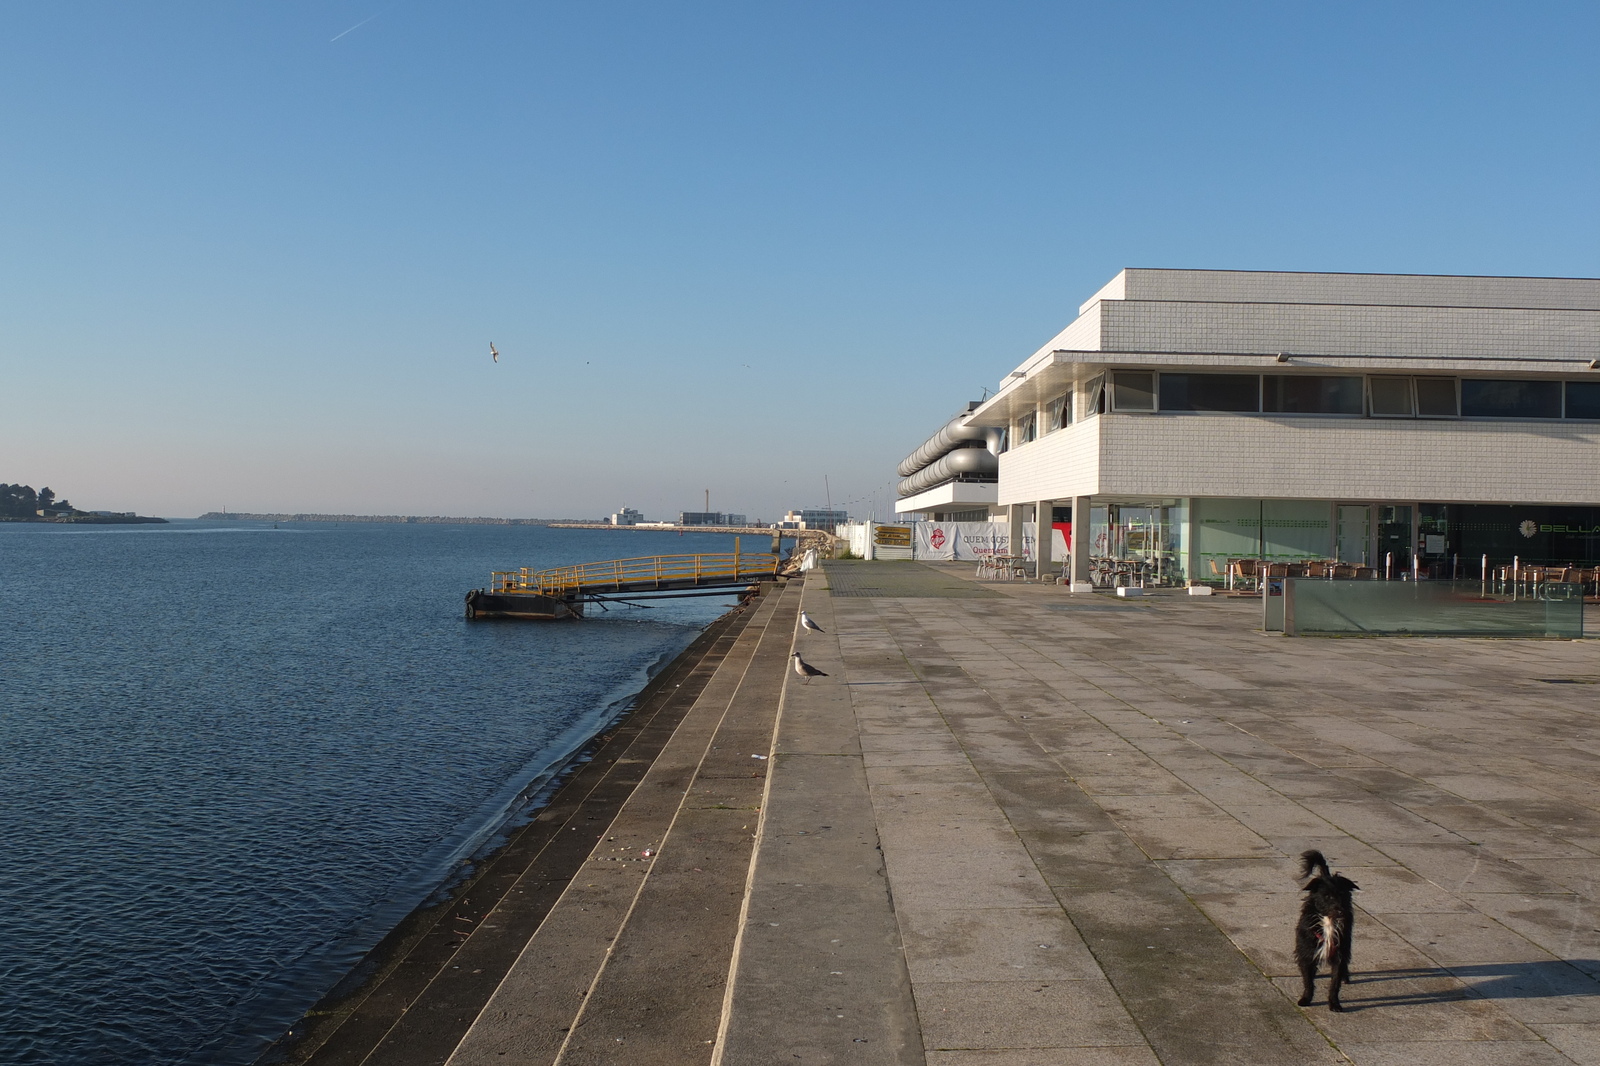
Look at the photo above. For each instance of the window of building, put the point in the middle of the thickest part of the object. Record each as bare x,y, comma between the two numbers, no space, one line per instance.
1583,399
1027,428
1302,394
1133,391
1092,396
1391,397
1211,392
1057,413
1504,398
1436,397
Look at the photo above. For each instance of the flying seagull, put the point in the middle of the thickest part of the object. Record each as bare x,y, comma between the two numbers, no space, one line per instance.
807,623
804,670
494,352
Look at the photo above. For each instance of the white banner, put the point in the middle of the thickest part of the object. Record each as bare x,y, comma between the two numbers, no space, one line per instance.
944,541
967,541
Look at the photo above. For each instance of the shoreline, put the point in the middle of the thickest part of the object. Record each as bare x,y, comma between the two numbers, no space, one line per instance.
332,1020
86,520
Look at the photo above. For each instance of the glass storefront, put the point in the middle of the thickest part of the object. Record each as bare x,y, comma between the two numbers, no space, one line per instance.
1137,543
1441,540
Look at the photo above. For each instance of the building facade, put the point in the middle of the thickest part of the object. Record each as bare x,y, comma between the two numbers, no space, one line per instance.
814,518
1197,416
710,518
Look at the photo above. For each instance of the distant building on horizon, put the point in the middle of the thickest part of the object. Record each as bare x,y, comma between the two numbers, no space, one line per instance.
814,518
627,517
710,518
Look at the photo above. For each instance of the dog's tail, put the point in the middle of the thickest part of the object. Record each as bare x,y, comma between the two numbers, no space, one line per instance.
1313,860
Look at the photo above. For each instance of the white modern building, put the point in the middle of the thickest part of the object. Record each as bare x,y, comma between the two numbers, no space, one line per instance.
1200,415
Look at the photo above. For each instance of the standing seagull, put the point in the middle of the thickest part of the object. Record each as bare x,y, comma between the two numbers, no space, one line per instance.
807,623
494,352
805,670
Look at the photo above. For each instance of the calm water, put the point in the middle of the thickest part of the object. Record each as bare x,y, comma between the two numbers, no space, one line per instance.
232,757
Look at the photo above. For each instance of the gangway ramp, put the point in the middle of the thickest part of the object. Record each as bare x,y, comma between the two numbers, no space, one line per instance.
562,591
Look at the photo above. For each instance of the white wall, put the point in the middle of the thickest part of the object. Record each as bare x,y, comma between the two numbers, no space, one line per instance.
1476,332
1057,465
1417,290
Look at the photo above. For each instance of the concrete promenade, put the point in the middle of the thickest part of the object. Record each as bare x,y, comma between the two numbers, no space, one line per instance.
1015,826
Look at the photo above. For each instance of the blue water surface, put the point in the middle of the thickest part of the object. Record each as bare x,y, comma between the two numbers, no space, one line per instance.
232,757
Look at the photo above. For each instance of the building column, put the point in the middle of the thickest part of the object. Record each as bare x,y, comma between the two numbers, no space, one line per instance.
1014,532
1080,545
1043,538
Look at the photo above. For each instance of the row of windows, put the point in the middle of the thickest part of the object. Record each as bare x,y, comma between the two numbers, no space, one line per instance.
1377,396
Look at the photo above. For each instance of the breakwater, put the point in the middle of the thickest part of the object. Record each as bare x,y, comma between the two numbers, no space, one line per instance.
421,520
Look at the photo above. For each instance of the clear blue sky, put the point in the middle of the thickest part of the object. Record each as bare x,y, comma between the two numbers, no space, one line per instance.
734,246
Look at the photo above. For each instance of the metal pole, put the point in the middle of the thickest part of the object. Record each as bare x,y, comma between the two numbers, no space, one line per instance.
1388,566
1416,565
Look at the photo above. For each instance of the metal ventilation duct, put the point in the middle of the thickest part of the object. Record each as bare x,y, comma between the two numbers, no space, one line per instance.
955,434
969,464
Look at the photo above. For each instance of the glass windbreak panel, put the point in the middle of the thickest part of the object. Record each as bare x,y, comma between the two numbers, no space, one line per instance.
1391,397
1436,397
1133,391
1299,394
1429,608
1505,398
1210,392
1583,399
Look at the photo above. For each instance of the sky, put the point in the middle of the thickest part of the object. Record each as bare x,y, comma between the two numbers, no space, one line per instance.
252,255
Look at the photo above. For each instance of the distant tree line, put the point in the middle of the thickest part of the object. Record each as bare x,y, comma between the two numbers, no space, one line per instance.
20,501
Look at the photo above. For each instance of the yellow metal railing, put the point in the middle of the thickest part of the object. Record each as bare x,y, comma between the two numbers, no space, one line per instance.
634,575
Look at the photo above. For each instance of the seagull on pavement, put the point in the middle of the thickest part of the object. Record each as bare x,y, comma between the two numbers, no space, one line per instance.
494,352
804,670
807,623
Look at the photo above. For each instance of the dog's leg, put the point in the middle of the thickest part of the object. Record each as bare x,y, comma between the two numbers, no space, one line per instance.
1308,975
1341,973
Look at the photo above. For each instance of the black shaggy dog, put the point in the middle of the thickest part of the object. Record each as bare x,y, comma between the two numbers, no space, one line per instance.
1327,921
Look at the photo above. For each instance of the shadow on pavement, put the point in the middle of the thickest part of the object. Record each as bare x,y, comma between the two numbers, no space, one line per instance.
1508,980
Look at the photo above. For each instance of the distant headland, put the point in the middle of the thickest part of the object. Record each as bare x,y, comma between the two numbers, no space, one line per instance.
20,503
434,520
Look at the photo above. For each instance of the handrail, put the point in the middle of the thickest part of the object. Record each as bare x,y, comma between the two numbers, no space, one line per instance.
658,571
